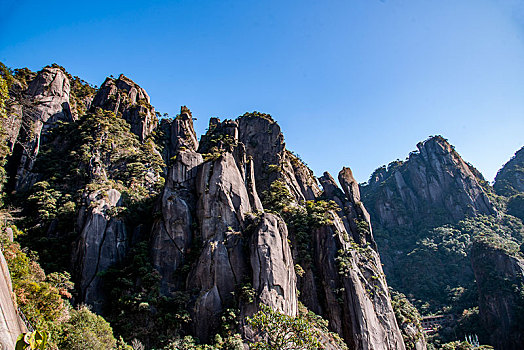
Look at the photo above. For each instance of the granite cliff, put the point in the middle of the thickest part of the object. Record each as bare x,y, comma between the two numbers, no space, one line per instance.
196,234
447,240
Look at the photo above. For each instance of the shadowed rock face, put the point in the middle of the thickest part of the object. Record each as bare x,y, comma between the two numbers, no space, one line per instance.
264,142
355,295
510,179
179,134
124,96
42,105
103,242
434,182
500,280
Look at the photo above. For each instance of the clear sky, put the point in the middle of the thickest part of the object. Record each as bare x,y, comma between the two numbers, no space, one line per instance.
351,82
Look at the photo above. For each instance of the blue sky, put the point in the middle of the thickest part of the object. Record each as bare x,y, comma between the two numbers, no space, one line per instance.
351,82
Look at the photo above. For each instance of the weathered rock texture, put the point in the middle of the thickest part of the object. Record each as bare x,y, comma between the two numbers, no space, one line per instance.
355,295
42,105
11,326
432,184
179,133
214,202
407,199
500,281
125,97
264,142
211,239
510,179
102,243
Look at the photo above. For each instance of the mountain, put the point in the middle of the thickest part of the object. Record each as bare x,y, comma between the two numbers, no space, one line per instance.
170,237
446,238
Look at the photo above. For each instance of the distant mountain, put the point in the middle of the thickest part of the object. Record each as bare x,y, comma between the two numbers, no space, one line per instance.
431,214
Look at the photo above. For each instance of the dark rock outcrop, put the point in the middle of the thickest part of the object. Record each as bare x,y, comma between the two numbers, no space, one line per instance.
125,97
510,178
408,199
103,242
356,298
264,142
500,282
215,203
210,237
42,105
179,133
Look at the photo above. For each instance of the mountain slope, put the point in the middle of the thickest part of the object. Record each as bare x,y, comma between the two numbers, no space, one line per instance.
195,234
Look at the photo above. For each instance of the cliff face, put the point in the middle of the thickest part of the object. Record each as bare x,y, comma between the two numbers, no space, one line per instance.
510,178
122,96
500,281
239,221
215,201
409,200
39,108
433,186
11,326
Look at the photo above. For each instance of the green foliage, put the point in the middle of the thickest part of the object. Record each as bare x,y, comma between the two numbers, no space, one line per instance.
215,142
40,297
233,342
256,114
277,198
97,152
86,330
32,341
4,150
407,316
81,92
301,220
343,260
463,345
137,309
276,330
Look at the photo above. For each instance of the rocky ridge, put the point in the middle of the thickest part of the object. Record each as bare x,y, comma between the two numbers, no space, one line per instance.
240,220
433,179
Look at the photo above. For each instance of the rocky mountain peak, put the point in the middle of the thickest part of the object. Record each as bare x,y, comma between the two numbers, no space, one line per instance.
125,97
434,177
42,105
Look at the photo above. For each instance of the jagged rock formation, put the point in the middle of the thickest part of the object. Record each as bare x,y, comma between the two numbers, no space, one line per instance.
432,184
500,281
351,279
178,133
125,97
510,178
264,142
216,202
11,326
214,233
43,104
102,243
433,187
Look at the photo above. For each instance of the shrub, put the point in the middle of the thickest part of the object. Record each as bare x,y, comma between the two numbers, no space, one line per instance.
86,330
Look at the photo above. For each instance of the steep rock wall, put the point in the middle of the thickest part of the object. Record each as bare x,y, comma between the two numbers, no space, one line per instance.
500,282
11,326
42,105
